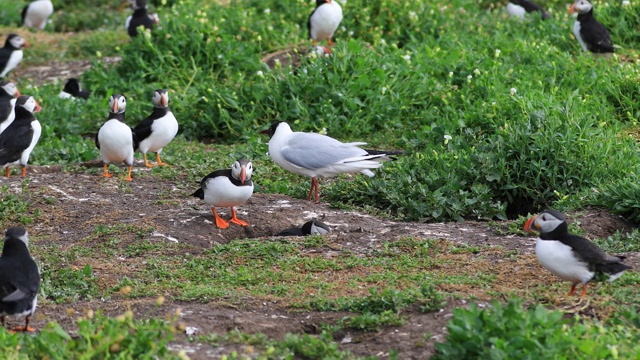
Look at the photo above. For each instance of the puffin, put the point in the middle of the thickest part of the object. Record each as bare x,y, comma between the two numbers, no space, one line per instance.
571,257
591,34
36,14
18,139
324,21
8,94
315,155
11,54
73,89
158,129
116,140
313,227
140,17
19,278
227,188
518,8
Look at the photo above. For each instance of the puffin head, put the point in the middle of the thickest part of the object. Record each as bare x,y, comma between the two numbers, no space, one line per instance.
16,41
18,233
160,98
315,227
117,104
72,86
242,170
29,103
546,222
580,7
10,88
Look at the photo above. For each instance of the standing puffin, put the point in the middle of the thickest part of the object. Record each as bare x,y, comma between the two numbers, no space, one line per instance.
519,8
19,278
324,21
18,139
571,257
313,227
158,129
8,94
591,34
140,17
36,14
11,54
73,89
227,188
116,140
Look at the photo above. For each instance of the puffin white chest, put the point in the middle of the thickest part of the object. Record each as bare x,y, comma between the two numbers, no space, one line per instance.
559,259
516,10
116,142
37,130
325,21
39,12
12,116
576,33
221,192
14,60
163,130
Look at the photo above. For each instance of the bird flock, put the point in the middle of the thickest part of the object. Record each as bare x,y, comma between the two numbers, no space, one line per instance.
570,257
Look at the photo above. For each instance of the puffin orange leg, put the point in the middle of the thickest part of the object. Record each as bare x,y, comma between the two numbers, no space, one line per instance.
584,290
105,173
220,223
573,289
24,171
235,220
146,162
329,42
128,178
7,171
160,163
26,327
315,42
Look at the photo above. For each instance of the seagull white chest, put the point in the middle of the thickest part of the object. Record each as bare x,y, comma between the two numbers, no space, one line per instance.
14,60
163,130
559,259
325,20
116,142
576,33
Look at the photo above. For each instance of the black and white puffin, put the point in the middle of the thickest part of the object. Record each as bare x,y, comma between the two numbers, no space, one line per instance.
591,34
18,139
36,14
73,89
317,155
19,278
11,54
116,140
227,188
158,129
140,17
8,94
324,21
518,8
313,227
571,257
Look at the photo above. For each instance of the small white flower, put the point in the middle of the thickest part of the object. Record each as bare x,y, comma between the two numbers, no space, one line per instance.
384,90
450,73
469,77
626,3
513,91
476,71
323,131
267,11
270,28
447,138
350,33
220,56
497,52
260,73
383,42
407,57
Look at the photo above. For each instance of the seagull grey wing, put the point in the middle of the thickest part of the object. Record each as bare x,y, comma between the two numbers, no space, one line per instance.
315,151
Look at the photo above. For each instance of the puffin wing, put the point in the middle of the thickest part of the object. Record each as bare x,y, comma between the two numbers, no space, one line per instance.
530,6
135,140
599,37
12,146
588,251
5,55
97,142
309,21
143,129
315,151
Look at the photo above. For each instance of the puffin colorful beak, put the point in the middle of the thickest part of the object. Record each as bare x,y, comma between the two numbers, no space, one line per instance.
243,174
38,107
18,93
527,225
114,109
164,100
572,8
26,44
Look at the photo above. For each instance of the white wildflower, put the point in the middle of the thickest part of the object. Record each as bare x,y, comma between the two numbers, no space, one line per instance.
260,73
407,57
267,11
497,53
447,138
476,71
513,91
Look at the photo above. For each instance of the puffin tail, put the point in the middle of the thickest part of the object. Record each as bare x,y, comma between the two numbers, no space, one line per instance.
613,270
199,194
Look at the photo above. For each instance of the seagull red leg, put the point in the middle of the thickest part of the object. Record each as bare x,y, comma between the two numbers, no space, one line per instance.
573,289
329,42
220,223
105,173
235,220
317,192
26,327
313,181
159,161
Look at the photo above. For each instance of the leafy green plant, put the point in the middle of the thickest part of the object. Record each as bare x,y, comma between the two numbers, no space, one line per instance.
67,284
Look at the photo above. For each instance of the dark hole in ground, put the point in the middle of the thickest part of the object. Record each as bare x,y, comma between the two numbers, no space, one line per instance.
521,206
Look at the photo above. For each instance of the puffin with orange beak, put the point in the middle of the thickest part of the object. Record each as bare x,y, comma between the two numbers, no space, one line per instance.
9,93
227,188
158,129
591,34
116,140
571,257
18,139
324,21
11,54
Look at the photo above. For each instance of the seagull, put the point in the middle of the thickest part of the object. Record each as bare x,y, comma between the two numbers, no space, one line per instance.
73,89
8,95
324,21
227,188
313,227
19,278
116,140
35,14
317,155
571,257
19,138
11,54
158,129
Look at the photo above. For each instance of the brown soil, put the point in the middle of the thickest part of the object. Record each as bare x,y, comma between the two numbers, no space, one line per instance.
84,200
